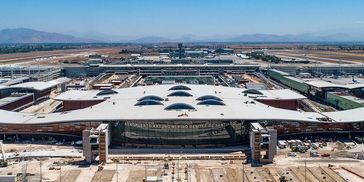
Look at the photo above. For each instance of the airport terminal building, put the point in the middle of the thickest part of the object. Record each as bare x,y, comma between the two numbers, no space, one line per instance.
181,116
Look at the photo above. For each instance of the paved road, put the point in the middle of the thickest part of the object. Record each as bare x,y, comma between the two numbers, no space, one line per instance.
178,150
45,153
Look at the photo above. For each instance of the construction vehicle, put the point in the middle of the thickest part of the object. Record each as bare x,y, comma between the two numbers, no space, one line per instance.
100,167
166,166
299,148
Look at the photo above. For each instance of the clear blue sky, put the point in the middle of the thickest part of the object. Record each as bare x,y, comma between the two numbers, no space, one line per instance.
183,17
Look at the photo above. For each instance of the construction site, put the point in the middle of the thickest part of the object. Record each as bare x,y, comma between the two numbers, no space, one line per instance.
31,162
210,114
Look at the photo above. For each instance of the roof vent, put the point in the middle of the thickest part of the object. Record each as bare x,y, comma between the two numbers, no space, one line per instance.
179,106
148,102
179,94
151,97
106,92
211,102
180,87
252,91
206,97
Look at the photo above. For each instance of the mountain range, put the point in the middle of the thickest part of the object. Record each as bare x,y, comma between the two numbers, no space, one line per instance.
24,35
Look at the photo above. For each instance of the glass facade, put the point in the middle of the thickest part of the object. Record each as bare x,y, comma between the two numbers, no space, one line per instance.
187,133
213,133
179,133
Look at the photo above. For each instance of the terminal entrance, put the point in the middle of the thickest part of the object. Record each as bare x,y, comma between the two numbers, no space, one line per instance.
185,134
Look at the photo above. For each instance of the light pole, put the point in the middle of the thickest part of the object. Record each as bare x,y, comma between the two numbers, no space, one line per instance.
243,173
60,173
178,170
40,169
305,170
101,175
117,172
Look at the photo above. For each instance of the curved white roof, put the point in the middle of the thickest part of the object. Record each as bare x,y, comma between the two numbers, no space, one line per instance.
39,85
82,95
237,106
326,84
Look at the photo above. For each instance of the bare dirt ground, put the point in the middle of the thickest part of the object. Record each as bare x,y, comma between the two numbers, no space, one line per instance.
59,55
181,166
34,54
348,57
194,171
33,147
105,175
71,175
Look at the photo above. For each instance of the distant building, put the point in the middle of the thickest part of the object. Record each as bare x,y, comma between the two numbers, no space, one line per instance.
240,79
344,94
95,61
194,54
260,53
95,56
181,61
16,101
135,56
224,51
219,61
21,95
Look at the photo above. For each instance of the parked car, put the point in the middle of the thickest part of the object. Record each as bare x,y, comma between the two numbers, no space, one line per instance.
292,154
314,153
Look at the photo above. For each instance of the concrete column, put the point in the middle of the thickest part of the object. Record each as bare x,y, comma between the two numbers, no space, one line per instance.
86,146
